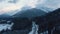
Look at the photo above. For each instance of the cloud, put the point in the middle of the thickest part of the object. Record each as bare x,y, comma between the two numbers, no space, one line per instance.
10,5
52,3
49,5
1,0
30,3
5,6
13,1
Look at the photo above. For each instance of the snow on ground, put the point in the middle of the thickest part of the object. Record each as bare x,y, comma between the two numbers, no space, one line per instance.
5,26
34,28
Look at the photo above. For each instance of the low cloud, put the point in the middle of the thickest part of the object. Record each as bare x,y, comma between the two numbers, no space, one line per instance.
9,5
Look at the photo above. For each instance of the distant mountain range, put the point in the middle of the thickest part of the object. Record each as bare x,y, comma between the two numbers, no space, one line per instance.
30,13
25,13
5,16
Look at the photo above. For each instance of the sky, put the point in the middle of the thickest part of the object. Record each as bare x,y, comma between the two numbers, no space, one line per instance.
12,5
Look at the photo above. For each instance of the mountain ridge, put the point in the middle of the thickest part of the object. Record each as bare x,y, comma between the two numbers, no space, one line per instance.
30,13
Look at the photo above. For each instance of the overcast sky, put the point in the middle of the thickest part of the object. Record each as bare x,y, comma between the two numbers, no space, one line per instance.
11,5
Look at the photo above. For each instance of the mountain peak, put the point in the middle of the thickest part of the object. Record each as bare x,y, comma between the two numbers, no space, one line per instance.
30,13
